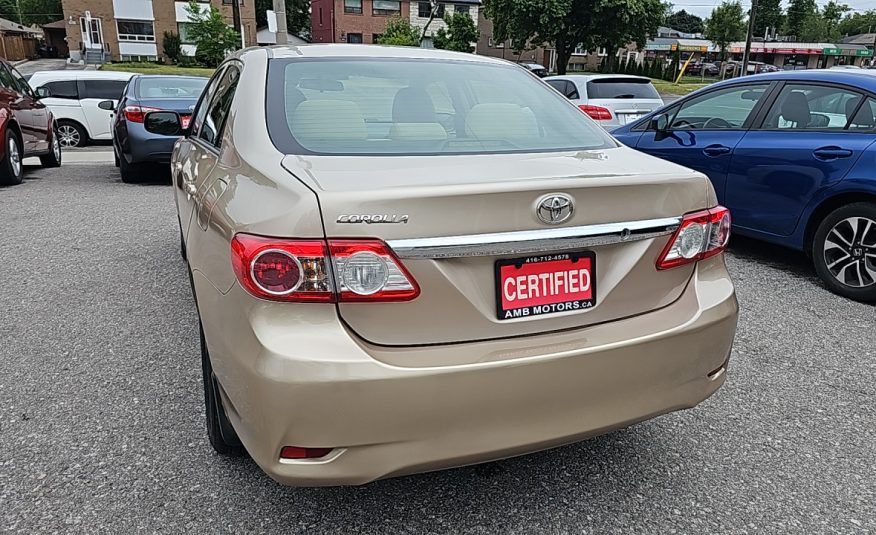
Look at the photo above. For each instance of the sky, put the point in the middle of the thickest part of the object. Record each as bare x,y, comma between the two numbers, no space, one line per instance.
703,8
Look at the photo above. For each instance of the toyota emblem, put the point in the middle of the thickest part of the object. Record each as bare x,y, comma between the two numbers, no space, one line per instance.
554,208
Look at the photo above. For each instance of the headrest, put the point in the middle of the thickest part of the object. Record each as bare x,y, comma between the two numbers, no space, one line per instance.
413,105
795,109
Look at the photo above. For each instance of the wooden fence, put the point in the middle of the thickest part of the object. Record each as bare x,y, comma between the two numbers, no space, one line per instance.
15,47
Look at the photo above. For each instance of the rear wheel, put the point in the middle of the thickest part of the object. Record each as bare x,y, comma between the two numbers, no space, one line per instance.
131,173
844,251
53,158
222,436
71,134
11,168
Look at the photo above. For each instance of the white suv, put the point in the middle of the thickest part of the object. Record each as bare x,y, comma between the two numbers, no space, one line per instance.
73,98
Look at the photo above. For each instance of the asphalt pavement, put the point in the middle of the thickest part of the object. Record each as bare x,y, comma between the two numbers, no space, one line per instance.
102,424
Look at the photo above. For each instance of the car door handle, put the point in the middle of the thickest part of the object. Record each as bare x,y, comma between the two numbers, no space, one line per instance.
716,150
831,153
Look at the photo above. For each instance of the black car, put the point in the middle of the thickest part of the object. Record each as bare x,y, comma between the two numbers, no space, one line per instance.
132,144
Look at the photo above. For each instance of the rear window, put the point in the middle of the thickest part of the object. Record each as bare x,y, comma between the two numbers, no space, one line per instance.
170,87
621,88
405,107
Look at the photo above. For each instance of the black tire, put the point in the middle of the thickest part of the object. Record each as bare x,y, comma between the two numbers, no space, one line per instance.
116,157
71,134
221,433
844,251
53,158
182,247
131,173
11,168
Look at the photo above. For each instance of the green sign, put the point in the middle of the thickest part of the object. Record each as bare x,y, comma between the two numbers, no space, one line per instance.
847,52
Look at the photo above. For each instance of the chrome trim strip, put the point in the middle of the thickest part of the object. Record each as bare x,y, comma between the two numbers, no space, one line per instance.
534,241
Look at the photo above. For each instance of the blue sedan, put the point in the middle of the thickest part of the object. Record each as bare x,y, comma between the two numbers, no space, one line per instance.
792,155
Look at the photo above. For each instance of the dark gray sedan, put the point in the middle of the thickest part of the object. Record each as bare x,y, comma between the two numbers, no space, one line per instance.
132,144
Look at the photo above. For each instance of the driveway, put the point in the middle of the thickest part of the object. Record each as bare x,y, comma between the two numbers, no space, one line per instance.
30,67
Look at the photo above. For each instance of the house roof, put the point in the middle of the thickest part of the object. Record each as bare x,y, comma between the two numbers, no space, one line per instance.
57,25
7,26
860,39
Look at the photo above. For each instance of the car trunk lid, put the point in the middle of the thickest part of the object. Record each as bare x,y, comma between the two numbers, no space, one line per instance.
627,98
455,220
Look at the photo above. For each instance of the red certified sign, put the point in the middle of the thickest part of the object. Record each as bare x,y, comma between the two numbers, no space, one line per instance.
545,284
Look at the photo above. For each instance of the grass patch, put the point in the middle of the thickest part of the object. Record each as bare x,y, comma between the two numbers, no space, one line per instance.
155,68
688,84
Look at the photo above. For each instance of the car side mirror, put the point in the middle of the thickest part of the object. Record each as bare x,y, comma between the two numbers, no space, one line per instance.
164,123
43,92
659,123
107,105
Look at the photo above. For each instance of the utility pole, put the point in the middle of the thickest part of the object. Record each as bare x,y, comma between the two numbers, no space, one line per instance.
282,32
748,38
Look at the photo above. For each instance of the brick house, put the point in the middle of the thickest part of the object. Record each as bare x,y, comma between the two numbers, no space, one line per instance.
353,21
125,30
487,46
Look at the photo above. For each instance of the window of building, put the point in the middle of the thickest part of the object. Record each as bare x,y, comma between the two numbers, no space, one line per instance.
354,38
424,10
375,38
183,31
353,6
460,9
136,30
387,7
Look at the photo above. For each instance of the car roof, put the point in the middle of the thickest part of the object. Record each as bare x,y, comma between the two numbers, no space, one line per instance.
338,50
587,77
853,77
54,76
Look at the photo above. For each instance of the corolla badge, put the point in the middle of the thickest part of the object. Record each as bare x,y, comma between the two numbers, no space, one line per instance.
372,218
554,208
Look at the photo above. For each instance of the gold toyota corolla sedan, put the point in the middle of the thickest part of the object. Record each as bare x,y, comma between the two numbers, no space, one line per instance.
406,259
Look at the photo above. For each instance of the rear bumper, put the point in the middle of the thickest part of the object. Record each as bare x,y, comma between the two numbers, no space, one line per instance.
143,147
315,385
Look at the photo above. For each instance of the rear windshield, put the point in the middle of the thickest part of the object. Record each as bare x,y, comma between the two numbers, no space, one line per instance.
621,88
405,107
170,87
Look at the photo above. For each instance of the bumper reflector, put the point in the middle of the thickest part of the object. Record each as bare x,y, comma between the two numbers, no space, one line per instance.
295,452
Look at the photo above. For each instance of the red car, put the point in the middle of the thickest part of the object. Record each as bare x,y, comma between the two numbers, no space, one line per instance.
27,127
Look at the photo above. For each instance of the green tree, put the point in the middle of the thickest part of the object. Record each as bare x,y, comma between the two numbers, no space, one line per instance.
31,11
297,15
172,45
685,22
212,36
832,14
400,32
461,32
570,23
769,15
799,13
725,25
858,22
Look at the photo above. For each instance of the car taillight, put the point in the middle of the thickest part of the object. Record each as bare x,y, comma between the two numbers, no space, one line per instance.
700,235
299,270
596,112
137,114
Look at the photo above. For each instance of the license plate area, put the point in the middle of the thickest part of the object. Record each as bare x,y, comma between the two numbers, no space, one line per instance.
545,284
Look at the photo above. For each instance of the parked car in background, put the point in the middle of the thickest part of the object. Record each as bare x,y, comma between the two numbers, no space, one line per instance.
610,99
73,98
26,127
133,146
352,258
734,68
696,68
792,154
535,68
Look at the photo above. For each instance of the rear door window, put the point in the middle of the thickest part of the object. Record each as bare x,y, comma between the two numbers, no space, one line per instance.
217,114
812,107
103,89
565,87
621,88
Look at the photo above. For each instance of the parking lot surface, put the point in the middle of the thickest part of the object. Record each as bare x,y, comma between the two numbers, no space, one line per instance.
102,425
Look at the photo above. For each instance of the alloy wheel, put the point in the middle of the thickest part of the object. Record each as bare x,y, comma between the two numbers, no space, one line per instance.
68,135
14,157
850,252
